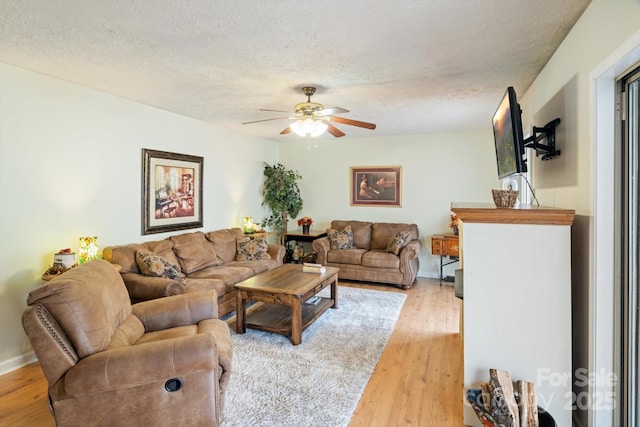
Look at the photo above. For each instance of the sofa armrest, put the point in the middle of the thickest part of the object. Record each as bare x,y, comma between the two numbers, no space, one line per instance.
224,345
321,246
411,250
142,288
277,252
409,262
179,310
137,365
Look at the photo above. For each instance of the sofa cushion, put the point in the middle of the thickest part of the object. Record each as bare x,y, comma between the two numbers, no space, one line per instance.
380,259
229,274
340,239
381,232
224,243
151,264
163,248
249,249
205,284
361,232
397,242
258,266
194,252
345,256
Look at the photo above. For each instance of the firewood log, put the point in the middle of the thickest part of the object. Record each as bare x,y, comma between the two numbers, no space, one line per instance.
504,406
528,404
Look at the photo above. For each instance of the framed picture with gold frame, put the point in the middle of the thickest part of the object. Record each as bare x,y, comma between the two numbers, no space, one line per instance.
376,186
171,191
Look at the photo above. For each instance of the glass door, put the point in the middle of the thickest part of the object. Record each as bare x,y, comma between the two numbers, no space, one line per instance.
629,250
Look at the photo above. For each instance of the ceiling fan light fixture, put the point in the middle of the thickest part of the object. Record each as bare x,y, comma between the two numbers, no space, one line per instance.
309,127
313,119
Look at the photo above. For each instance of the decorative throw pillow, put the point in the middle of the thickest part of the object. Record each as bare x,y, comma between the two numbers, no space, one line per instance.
340,239
397,242
154,265
248,249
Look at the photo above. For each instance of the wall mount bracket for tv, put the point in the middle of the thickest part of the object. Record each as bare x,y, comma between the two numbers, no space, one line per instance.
548,132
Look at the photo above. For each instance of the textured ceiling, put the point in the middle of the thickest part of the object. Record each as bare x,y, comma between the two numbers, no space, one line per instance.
411,67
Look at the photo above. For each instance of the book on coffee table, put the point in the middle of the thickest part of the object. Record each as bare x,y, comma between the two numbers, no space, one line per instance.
314,300
313,268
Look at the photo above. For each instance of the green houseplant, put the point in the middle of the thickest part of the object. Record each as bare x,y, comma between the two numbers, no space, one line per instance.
280,192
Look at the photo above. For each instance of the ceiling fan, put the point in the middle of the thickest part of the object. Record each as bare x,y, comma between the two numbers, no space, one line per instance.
312,119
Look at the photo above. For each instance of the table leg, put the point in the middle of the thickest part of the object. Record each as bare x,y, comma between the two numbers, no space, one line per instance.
240,313
334,293
296,321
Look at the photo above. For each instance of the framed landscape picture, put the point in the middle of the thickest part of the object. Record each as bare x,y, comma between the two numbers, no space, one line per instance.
376,186
171,191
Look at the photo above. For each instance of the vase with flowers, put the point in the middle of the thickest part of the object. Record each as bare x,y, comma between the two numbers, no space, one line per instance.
453,223
305,222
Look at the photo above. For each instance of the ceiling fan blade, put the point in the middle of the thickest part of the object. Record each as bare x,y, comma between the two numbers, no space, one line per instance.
265,120
334,130
353,122
286,130
332,110
275,111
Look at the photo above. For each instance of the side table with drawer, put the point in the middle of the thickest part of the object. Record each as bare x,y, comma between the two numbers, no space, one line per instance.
446,246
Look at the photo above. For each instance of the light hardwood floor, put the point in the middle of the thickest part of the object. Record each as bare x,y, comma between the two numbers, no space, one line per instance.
418,380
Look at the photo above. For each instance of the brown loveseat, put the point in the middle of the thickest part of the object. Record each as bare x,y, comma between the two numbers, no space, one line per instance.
194,262
374,252
164,362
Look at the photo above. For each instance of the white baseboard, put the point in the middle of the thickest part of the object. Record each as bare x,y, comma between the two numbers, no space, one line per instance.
427,275
7,366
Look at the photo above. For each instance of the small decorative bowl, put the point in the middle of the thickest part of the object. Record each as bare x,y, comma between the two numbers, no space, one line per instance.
505,198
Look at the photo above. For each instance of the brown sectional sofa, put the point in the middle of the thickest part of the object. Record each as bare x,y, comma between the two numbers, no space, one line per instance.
207,261
370,260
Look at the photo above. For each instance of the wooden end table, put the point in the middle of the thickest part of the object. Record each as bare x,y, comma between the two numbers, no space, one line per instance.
284,291
447,245
302,237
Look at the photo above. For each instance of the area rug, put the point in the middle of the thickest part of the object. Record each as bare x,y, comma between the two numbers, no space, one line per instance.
319,382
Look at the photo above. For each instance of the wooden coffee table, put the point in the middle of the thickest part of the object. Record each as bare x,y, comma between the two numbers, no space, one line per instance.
284,291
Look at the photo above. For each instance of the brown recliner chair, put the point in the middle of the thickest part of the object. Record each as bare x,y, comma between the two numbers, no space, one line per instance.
157,363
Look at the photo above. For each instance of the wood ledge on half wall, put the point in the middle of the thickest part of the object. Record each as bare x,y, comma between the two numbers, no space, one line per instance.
522,214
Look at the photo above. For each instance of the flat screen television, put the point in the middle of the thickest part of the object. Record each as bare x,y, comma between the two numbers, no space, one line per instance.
507,135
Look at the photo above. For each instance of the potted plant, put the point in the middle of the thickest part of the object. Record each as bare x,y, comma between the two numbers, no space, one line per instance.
280,192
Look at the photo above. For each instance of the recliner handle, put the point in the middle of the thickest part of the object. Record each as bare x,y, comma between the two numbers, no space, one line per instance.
173,384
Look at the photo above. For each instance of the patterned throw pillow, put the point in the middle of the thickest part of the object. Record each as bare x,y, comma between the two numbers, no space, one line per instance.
397,242
154,265
340,239
248,249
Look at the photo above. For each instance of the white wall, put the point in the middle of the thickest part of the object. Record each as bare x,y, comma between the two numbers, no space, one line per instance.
601,29
566,88
437,169
70,166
